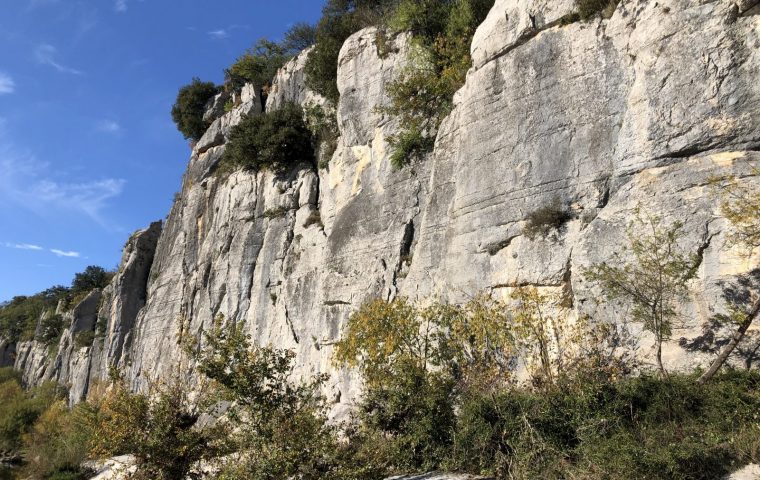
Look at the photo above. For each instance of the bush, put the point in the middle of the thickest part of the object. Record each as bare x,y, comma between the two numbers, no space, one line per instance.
323,126
546,219
84,339
258,66
588,9
19,317
643,427
423,96
160,428
51,328
277,140
190,106
340,19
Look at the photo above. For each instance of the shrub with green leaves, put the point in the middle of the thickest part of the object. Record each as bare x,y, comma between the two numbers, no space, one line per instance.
19,317
300,37
423,95
276,140
340,19
258,65
190,106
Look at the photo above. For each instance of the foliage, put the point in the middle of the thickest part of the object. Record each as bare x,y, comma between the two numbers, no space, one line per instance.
314,218
258,66
58,443
423,95
740,205
277,140
190,106
84,339
19,317
642,427
160,428
324,129
93,277
340,19
282,429
546,219
300,37
588,9
19,409
51,328
654,279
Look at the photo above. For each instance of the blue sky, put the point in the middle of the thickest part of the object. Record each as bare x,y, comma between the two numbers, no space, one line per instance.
88,151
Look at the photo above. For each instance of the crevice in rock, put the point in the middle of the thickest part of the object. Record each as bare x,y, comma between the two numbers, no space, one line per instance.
290,325
529,34
331,303
496,247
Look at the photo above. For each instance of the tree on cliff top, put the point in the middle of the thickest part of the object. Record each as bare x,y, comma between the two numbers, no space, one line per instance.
190,106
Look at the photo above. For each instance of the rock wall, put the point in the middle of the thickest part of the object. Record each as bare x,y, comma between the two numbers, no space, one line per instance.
639,109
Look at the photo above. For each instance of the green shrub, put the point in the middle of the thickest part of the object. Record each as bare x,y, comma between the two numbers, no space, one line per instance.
340,19
588,9
323,126
423,95
190,106
19,317
277,140
51,328
643,427
160,428
84,339
546,219
258,66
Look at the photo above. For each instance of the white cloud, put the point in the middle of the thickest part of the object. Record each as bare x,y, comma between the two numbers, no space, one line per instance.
120,5
218,34
35,186
45,55
7,85
23,246
62,253
108,126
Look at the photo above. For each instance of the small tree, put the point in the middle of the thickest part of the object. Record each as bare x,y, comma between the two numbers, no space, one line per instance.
258,65
190,106
300,37
653,280
93,277
741,207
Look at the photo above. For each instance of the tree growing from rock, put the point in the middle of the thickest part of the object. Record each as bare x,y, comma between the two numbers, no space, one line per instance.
654,280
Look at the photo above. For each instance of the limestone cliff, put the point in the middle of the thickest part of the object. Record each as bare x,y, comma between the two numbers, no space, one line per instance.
642,108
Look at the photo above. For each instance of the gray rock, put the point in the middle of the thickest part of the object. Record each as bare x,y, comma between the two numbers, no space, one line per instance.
640,109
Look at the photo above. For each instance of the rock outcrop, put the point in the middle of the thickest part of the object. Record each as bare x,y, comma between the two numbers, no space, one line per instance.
643,108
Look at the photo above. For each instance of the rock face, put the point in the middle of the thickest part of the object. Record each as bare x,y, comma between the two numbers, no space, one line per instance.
600,116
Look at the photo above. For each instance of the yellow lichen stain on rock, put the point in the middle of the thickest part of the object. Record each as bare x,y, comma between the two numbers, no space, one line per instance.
364,154
726,159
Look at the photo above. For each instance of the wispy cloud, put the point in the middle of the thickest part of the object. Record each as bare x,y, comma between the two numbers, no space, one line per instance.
218,34
23,246
108,126
33,185
45,55
62,253
222,33
7,85
120,5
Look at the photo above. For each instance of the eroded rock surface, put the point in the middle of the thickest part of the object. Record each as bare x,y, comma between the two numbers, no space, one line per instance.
600,116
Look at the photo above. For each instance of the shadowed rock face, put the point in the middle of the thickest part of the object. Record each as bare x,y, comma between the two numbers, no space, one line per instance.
602,116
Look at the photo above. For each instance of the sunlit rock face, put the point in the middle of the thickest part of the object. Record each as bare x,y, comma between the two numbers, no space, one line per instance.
641,109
